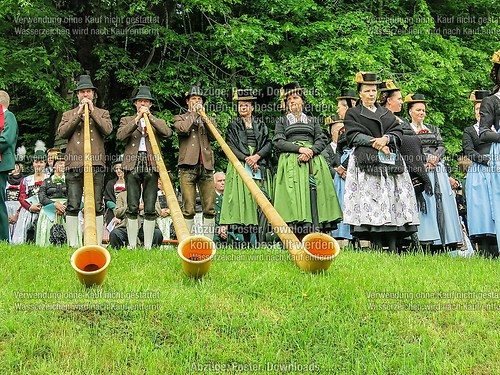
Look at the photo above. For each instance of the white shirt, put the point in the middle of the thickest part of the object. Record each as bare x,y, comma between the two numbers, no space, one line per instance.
476,127
415,129
142,142
293,120
372,108
334,146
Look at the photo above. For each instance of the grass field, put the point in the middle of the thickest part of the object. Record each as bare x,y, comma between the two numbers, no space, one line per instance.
255,312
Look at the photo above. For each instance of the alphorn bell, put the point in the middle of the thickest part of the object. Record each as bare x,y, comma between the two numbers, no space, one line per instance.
196,252
316,251
91,260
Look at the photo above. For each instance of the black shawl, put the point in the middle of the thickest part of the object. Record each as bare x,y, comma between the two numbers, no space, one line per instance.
361,125
236,139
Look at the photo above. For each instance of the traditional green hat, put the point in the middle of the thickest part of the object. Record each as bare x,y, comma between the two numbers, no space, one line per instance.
84,82
479,95
39,155
143,93
39,152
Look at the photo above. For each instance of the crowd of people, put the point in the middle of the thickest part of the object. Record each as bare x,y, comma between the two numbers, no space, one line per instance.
382,177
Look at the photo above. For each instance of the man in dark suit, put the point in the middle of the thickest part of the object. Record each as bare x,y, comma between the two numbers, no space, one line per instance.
8,139
220,232
71,128
140,166
196,162
118,237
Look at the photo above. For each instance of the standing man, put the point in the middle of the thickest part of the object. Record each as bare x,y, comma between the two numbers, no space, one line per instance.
196,162
8,140
71,128
139,165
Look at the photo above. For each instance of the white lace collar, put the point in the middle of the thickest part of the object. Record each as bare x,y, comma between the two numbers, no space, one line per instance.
415,129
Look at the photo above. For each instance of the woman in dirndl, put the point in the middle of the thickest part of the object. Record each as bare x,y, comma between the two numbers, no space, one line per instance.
490,119
333,158
12,195
411,148
346,100
52,196
304,193
440,225
248,137
379,201
25,230
481,225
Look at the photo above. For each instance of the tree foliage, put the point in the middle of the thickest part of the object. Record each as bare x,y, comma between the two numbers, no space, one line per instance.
439,49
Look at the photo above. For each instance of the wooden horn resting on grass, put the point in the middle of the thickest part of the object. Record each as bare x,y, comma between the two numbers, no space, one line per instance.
91,260
316,251
196,252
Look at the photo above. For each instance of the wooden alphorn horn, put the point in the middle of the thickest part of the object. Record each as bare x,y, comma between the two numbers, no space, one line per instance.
316,251
91,260
196,252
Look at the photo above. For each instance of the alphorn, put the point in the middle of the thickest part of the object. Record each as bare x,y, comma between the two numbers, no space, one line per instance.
91,260
316,251
196,252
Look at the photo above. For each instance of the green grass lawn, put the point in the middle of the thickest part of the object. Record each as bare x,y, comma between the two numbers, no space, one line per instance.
255,312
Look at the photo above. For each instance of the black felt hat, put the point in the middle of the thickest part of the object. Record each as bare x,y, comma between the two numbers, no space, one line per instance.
348,94
387,85
244,95
367,78
194,90
415,98
291,88
479,95
331,120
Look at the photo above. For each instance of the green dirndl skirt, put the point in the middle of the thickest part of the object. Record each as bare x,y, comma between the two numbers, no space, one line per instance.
238,205
292,194
45,223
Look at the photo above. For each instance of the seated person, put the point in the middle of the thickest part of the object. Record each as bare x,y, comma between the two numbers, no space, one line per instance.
118,237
